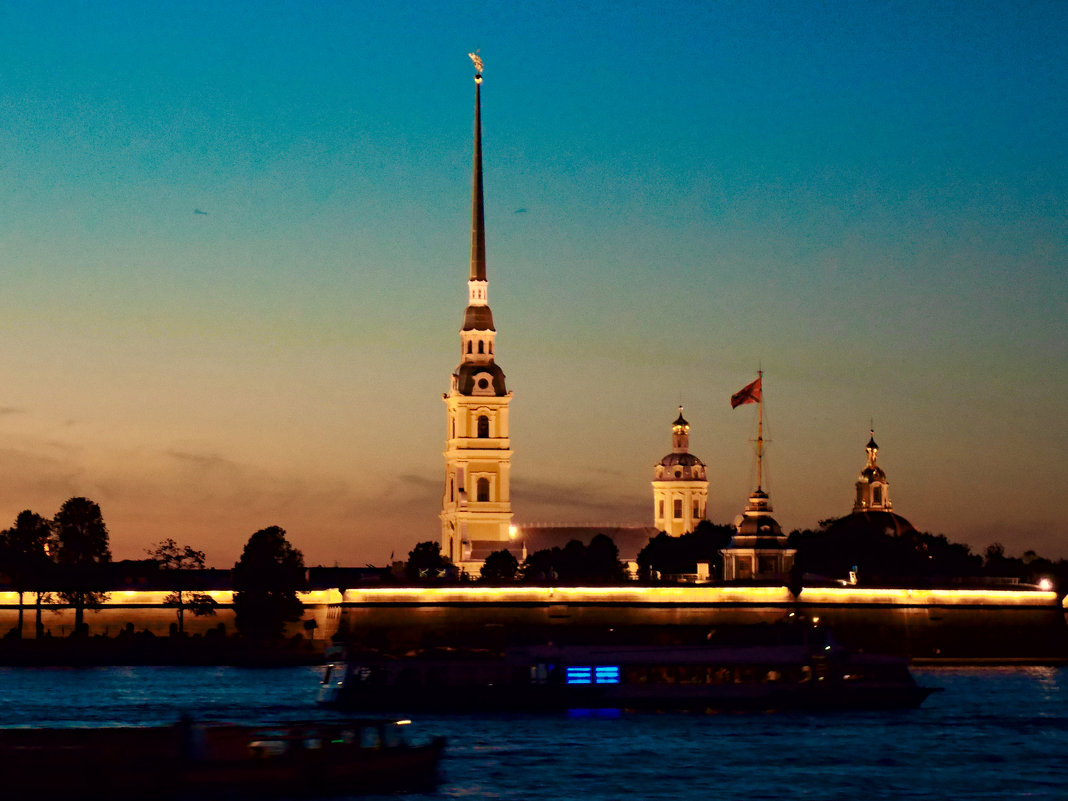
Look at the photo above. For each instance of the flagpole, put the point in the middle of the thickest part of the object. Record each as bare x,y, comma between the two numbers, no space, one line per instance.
760,432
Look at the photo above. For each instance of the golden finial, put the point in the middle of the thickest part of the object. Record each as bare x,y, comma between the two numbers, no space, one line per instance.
476,59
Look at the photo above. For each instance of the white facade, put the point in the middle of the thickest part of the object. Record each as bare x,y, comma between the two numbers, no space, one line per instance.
680,487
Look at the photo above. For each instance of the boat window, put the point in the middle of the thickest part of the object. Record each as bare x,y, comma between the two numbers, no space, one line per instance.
539,673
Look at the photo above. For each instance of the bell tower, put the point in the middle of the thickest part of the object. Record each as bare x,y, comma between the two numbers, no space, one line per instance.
476,507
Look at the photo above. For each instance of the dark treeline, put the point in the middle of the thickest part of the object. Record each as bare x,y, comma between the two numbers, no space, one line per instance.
575,563
824,554
65,562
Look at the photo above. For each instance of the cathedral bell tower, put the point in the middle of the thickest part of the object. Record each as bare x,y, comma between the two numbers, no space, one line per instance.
476,507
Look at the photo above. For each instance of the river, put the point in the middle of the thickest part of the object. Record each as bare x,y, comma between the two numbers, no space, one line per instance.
991,733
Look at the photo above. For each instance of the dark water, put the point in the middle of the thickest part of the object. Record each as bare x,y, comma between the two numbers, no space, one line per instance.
992,733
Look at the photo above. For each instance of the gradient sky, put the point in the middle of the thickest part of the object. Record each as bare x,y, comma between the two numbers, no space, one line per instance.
867,200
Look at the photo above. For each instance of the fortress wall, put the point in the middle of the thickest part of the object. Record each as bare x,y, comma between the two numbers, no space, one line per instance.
919,623
145,610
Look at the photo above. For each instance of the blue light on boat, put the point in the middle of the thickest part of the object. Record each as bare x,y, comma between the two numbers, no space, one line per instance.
579,675
608,674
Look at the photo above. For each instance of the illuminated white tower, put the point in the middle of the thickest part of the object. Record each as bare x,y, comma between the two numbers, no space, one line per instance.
680,489
873,490
476,508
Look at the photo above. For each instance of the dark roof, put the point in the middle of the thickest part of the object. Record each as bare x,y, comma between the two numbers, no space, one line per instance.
871,443
873,522
680,420
681,459
874,473
478,318
466,377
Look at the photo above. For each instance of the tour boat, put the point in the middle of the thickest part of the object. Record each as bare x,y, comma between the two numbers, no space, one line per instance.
195,761
812,672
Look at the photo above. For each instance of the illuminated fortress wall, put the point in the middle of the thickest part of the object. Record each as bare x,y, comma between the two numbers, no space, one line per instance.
996,624
919,623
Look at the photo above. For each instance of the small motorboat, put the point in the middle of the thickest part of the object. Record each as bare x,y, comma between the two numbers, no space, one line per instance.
192,760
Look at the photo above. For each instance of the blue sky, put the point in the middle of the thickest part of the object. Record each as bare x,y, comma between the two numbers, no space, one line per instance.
868,201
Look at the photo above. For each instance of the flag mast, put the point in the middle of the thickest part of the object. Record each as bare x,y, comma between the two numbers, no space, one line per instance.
760,431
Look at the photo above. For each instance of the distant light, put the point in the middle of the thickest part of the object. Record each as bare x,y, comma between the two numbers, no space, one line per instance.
1045,585
512,530
404,723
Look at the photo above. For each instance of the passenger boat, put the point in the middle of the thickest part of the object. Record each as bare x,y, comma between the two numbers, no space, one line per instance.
197,761
812,672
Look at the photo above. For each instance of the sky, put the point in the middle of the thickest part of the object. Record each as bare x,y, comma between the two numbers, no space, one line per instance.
234,251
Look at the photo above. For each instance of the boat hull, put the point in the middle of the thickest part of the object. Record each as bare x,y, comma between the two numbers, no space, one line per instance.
196,762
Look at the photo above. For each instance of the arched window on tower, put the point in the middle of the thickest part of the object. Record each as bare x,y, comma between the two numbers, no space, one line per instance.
678,509
483,490
877,495
481,345
483,426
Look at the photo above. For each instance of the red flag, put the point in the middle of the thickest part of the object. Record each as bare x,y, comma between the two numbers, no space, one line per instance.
748,394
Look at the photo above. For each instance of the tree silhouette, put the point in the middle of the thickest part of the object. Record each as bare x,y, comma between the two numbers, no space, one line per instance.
575,563
665,554
81,546
500,566
24,556
267,578
426,563
172,557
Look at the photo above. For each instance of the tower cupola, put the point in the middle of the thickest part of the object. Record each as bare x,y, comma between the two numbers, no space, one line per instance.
873,490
